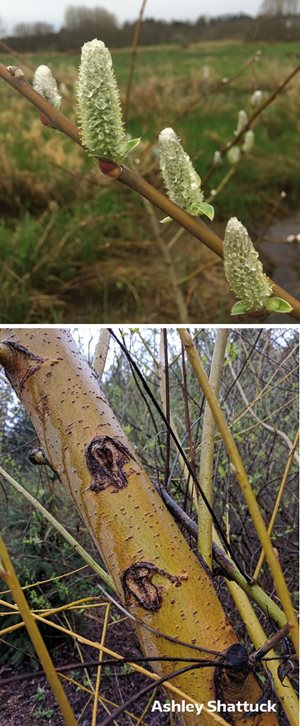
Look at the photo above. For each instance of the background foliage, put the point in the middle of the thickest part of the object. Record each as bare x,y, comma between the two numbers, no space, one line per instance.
75,248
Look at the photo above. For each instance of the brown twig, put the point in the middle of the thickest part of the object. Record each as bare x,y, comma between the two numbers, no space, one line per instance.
220,83
182,309
192,224
135,43
269,645
16,54
15,78
251,120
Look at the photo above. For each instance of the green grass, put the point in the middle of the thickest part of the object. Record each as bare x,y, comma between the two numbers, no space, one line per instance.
109,269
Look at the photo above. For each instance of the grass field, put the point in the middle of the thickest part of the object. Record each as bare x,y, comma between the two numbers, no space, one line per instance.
74,249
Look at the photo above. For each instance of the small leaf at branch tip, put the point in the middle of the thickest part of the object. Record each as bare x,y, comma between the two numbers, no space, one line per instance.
278,305
238,308
207,209
131,145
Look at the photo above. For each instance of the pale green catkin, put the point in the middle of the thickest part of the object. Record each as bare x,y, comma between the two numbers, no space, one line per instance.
45,84
182,181
99,107
243,269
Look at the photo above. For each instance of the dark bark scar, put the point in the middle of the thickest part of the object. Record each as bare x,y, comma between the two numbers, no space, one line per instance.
137,584
105,458
32,364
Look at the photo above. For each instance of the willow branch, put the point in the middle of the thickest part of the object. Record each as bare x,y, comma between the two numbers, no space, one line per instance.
251,120
231,572
59,528
101,352
135,43
278,501
8,573
268,427
207,450
243,480
195,226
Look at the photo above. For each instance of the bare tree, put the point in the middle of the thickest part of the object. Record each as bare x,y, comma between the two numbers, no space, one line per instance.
78,18
39,28
279,7
2,29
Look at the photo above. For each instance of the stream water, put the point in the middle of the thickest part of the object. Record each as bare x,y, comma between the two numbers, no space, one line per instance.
280,255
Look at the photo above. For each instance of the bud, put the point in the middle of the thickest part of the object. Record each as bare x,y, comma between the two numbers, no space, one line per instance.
64,89
256,98
233,155
217,159
242,120
248,141
243,269
182,181
99,107
45,84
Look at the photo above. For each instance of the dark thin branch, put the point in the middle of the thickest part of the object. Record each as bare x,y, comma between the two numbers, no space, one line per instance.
137,696
135,43
174,437
167,389
269,645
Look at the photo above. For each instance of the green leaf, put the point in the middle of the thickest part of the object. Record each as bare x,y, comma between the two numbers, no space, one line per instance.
238,308
207,209
278,305
130,145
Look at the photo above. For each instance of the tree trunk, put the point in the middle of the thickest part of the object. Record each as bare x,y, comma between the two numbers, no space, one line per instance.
155,572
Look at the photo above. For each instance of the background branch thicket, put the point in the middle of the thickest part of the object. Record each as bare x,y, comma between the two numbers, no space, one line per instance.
261,367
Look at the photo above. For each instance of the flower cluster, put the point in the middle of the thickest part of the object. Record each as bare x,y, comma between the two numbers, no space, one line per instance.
99,107
182,181
243,269
245,275
45,84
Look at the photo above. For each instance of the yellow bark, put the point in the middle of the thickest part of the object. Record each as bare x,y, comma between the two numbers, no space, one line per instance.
153,568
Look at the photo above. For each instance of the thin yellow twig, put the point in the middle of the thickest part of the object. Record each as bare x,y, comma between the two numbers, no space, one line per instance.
59,527
99,670
8,573
207,451
278,501
135,666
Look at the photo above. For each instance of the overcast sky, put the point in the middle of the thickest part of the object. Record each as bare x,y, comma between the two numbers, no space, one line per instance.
16,11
